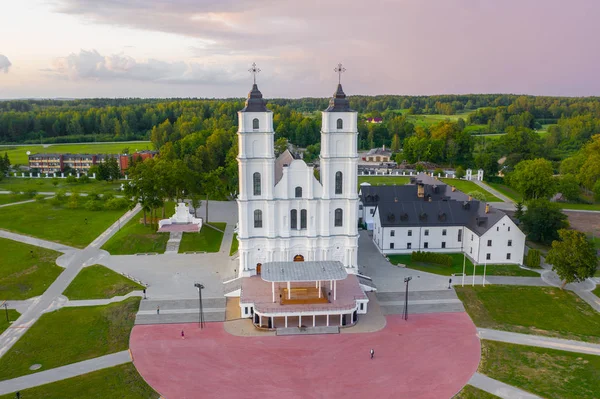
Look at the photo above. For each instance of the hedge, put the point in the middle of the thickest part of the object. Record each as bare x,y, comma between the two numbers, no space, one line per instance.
432,257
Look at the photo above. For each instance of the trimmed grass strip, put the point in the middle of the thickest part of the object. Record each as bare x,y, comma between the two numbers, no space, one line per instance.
234,245
12,316
207,239
99,282
470,392
383,180
467,186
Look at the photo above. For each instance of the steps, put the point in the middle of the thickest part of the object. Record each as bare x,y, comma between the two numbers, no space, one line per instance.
308,330
419,302
180,311
174,241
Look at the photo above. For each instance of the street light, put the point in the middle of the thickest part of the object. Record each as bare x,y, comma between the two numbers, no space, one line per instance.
406,280
200,287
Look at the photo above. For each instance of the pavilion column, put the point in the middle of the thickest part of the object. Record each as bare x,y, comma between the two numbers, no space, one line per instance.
330,285
314,319
341,317
285,321
300,321
316,284
328,320
335,290
273,290
260,320
319,288
289,290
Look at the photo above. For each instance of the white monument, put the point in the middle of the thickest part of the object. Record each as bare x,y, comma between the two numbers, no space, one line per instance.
182,220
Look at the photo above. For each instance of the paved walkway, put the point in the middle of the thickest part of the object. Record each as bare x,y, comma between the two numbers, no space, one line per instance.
499,389
64,372
542,342
99,302
492,190
17,203
38,242
174,241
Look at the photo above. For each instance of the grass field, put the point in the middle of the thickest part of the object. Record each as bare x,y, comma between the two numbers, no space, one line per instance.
549,373
99,282
468,186
206,240
504,189
18,154
17,184
383,180
26,270
12,316
457,267
71,335
545,311
586,207
469,392
136,238
75,227
123,382
10,198
597,290
234,245
431,119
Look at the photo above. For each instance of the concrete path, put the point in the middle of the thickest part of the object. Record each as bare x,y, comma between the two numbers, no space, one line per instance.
542,342
499,389
174,241
116,226
17,203
64,372
502,280
38,242
493,191
99,302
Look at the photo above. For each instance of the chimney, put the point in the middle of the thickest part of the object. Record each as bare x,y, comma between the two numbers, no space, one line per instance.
487,208
384,147
453,189
470,198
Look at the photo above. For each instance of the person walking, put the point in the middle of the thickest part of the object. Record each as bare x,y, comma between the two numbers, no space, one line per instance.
158,310
182,335
372,353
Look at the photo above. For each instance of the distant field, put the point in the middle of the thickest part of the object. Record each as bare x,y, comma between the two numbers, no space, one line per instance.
580,207
18,154
432,119
383,180
23,185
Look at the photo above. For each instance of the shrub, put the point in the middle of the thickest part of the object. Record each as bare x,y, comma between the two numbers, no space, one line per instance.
419,167
432,257
31,193
93,205
107,197
438,171
459,173
478,195
114,204
93,195
84,179
71,179
73,201
40,198
55,182
59,198
533,258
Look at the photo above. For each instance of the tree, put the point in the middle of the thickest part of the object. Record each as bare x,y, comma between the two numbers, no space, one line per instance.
533,258
542,220
572,257
519,210
534,179
478,195
395,143
568,187
214,186
597,191
281,144
459,173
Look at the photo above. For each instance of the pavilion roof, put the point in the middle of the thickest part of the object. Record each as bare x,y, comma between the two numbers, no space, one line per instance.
280,272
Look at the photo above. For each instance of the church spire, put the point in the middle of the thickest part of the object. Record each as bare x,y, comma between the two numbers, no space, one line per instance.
255,101
339,102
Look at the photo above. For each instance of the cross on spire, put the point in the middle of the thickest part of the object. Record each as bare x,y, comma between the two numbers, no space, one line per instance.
254,70
339,69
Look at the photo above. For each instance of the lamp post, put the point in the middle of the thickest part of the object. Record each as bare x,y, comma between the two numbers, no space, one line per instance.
6,310
406,280
200,287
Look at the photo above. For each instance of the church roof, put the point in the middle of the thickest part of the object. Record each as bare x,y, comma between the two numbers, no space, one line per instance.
339,102
255,101
280,272
284,159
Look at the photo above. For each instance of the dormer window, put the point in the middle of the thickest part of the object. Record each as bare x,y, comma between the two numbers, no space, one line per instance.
340,123
255,124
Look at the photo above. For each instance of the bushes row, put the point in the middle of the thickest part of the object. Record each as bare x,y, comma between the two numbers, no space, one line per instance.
92,202
432,257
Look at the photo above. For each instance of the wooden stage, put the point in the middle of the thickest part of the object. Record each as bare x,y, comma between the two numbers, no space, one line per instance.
302,296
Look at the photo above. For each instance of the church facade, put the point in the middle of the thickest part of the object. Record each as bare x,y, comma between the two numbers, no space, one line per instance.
285,213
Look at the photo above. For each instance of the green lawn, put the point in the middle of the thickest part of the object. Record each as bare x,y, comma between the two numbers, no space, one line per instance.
99,282
15,184
549,373
469,392
71,335
26,270
123,382
504,189
18,155
383,180
597,290
207,240
12,316
468,186
137,238
585,207
10,198
545,311
234,245
425,120
457,267
67,226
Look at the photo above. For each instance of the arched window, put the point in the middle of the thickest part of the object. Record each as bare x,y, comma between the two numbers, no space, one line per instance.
255,123
338,182
340,123
257,218
298,192
256,181
338,217
294,219
303,219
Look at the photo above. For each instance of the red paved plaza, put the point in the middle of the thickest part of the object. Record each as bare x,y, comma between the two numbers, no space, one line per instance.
428,356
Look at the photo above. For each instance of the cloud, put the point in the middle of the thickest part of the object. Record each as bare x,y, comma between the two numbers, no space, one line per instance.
4,63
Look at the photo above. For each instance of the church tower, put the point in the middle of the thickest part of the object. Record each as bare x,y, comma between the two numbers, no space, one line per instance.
256,162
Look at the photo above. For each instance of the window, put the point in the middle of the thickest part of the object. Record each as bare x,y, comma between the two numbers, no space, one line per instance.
459,235
256,180
408,245
298,192
360,207
255,123
425,245
471,237
338,217
372,211
507,256
410,233
488,256
444,232
471,250
257,218
508,228
426,232
391,245
392,233
340,123
338,182
294,219
498,228
510,243
303,219
489,243
443,244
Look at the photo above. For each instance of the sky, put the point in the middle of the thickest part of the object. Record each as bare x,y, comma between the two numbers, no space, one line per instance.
204,48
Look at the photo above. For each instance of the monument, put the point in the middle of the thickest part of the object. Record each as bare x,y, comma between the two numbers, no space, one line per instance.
182,220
